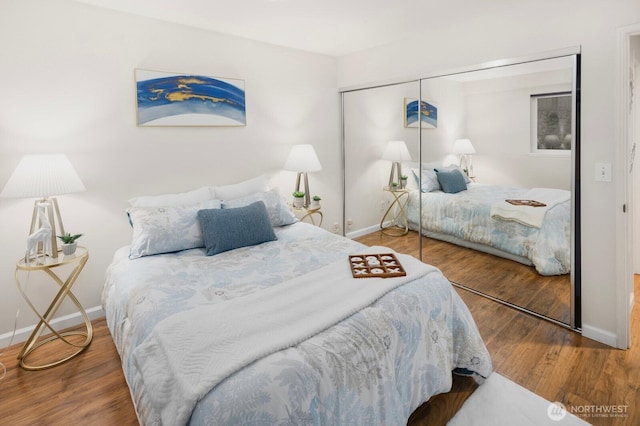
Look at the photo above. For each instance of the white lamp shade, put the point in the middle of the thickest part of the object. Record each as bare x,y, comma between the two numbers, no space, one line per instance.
396,151
302,158
40,176
463,146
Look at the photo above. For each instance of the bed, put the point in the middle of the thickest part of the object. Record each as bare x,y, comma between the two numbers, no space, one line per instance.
319,346
478,216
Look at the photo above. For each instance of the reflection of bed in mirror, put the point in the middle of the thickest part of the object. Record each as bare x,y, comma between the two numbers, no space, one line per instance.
479,217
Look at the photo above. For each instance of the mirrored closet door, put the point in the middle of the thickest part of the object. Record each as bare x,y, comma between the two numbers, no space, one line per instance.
509,231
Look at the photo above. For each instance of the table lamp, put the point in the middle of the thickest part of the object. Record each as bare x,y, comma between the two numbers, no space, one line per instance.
465,149
43,177
303,159
396,152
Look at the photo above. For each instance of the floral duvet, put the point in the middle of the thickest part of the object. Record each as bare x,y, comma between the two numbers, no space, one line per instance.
466,215
374,367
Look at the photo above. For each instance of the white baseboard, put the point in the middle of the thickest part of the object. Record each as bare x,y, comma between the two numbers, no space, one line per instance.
600,335
363,231
60,323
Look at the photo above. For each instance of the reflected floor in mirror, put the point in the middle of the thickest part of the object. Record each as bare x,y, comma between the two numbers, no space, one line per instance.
494,276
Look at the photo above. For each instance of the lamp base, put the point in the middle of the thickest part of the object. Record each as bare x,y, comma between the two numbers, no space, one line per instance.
466,164
396,173
307,196
42,234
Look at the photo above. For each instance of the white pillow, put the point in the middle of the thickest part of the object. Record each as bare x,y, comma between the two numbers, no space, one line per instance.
279,212
166,229
429,180
431,166
191,197
241,189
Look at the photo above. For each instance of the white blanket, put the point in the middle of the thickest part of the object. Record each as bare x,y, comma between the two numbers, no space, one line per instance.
189,353
528,215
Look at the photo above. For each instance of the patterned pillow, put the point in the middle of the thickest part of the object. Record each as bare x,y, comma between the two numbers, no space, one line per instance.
279,212
228,229
166,229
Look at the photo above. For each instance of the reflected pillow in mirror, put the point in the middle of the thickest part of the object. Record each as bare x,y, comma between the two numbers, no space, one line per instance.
451,181
455,167
429,180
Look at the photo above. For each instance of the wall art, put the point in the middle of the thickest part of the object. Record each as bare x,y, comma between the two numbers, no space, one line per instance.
170,99
429,114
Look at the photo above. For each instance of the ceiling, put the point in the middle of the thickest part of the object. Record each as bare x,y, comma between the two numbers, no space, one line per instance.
331,27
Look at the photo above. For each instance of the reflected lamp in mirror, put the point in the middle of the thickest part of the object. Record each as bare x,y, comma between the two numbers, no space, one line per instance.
396,152
465,150
43,177
303,159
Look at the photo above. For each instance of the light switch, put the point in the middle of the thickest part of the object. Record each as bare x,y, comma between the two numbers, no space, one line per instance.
603,172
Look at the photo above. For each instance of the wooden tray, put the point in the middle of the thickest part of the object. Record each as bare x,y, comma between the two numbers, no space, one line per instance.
381,265
530,203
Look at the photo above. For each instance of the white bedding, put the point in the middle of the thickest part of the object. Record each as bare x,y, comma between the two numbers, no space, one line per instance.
467,216
530,215
374,367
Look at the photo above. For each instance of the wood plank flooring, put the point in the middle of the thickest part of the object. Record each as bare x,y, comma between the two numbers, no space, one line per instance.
501,278
556,363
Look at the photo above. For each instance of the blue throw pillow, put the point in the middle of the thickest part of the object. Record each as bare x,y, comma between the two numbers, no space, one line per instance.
451,181
228,229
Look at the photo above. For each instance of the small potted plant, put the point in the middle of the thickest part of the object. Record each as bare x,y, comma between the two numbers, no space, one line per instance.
403,181
315,203
298,199
69,243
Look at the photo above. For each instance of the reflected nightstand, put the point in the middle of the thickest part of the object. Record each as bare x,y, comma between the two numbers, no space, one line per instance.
394,221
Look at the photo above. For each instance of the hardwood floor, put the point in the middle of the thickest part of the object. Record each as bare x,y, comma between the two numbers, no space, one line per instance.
550,360
556,363
88,390
501,278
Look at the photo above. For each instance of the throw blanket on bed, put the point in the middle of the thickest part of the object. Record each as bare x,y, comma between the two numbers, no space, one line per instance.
528,215
189,353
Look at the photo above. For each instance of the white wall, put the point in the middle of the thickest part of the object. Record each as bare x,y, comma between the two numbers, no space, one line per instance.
516,29
634,133
68,86
498,123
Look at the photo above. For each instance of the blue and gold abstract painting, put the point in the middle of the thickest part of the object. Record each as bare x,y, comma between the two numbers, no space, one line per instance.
166,99
429,114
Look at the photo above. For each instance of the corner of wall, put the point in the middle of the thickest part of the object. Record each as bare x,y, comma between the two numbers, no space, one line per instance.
600,335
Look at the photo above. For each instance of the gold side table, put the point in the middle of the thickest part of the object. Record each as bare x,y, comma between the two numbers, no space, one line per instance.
394,221
48,265
307,213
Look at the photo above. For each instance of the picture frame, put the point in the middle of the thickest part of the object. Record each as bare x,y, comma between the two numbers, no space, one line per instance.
428,114
551,115
180,99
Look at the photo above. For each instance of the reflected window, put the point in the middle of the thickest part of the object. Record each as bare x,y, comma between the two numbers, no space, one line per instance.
551,123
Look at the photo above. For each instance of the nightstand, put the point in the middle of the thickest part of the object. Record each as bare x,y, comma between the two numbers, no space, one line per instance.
394,221
311,215
54,268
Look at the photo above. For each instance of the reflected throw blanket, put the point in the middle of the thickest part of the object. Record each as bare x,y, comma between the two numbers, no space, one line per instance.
528,215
